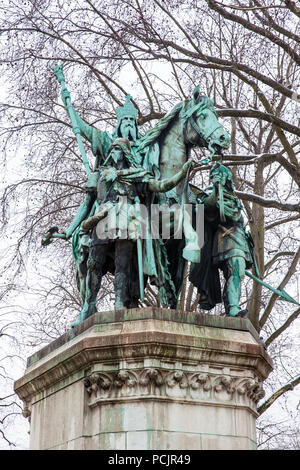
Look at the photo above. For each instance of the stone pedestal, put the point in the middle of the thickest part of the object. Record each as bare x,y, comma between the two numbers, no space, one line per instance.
147,379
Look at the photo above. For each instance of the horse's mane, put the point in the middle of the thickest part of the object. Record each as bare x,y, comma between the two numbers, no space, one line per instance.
184,109
162,124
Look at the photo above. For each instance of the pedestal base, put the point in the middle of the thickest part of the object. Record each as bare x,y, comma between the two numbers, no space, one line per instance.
147,379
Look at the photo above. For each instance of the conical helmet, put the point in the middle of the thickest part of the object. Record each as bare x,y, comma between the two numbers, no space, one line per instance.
128,109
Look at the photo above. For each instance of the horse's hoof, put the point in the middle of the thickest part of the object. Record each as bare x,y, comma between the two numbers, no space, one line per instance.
243,313
76,322
81,317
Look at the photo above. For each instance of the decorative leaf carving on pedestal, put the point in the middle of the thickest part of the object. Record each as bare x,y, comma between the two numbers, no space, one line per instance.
151,375
200,380
177,378
123,377
97,381
186,385
226,383
251,388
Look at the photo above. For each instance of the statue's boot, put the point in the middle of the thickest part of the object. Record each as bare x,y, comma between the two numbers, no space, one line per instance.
243,313
233,311
134,303
231,298
234,275
119,304
123,273
93,282
86,312
79,320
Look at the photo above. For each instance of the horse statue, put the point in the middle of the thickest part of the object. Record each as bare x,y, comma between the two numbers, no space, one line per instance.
166,147
191,123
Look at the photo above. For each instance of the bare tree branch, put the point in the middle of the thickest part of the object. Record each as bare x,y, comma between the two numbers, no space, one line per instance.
256,29
274,297
268,202
283,327
289,386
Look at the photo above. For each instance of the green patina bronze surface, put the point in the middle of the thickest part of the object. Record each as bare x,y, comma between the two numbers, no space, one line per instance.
155,168
227,245
121,184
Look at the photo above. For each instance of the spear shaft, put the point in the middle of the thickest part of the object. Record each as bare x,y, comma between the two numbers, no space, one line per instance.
58,70
139,250
221,202
283,295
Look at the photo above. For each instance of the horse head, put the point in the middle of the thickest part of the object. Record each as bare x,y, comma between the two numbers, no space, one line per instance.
201,125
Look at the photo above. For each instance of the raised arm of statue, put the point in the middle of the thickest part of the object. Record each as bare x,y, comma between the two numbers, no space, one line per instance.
85,129
99,140
81,214
166,184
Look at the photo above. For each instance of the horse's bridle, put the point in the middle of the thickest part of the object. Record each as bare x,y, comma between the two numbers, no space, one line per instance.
188,115
205,137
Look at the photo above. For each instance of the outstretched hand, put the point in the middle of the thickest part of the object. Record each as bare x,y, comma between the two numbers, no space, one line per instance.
205,161
52,233
109,174
189,164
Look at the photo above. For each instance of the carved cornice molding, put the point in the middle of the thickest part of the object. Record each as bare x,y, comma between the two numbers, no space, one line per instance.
79,357
173,384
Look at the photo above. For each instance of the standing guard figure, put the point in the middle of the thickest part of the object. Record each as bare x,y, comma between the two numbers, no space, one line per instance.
127,127
227,246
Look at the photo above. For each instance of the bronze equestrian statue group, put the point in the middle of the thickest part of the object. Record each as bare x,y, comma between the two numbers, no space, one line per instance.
135,222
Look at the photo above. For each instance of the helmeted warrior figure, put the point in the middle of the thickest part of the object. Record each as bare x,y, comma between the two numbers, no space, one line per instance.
123,187
127,127
227,245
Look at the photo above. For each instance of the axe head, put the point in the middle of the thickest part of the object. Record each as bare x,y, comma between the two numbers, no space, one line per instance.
47,237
